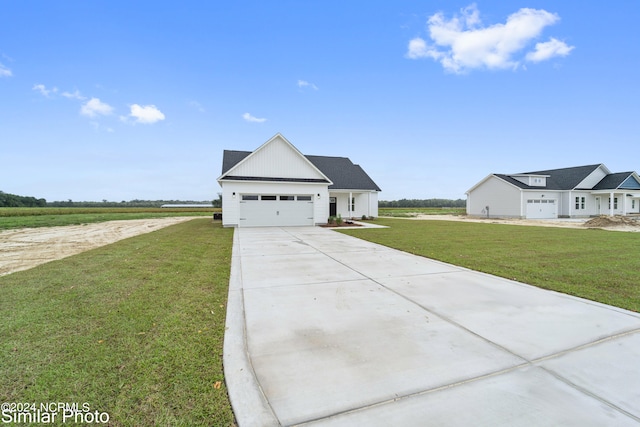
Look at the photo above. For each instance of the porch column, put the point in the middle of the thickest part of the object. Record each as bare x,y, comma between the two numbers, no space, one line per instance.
610,204
624,204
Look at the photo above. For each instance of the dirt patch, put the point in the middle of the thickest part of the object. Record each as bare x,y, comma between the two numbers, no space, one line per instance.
27,247
617,224
604,221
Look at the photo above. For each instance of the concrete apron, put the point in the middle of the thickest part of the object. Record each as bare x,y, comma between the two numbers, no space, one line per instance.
326,329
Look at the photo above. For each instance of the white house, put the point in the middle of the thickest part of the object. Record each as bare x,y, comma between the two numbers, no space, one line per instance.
581,191
276,185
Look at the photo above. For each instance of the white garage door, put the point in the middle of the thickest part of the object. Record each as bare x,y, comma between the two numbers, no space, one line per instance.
542,209
266,210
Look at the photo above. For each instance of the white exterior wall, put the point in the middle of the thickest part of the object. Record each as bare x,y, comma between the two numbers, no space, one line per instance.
373,204
636,208
503,199
231,204
569,204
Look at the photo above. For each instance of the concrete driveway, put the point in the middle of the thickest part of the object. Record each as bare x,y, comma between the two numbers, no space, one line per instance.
329,330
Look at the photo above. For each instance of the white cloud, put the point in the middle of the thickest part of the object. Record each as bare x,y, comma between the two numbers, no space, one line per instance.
43,89
146,114
248,117
4,71
304,83
548,50
74,95
461,43
95,107
197,106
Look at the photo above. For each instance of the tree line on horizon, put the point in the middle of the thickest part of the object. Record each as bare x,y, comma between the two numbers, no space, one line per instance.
423,203
8,200
13,200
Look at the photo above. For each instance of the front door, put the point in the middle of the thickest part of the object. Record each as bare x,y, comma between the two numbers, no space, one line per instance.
332,206
598,205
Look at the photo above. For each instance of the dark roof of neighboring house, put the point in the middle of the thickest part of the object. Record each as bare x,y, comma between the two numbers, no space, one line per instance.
569,178
566,178
613,180
340,170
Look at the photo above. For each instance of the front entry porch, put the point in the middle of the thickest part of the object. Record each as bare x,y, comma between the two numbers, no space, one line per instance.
353,204
617,203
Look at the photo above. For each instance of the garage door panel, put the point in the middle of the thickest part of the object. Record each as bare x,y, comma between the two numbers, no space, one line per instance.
269,210
542,209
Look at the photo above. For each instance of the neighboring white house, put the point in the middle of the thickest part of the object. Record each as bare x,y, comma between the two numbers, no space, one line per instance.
581,191
276,185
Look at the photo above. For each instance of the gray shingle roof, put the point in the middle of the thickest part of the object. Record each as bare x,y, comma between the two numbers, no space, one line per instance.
569,178
612,181
566,178
340,170
343,173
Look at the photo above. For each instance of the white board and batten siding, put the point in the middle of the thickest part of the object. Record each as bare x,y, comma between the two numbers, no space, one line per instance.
277,159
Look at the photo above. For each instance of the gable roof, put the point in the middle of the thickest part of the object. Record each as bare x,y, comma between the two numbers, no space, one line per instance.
340,171
570,178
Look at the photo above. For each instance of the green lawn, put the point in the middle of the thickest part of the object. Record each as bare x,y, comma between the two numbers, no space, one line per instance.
595,264
134,328
49,217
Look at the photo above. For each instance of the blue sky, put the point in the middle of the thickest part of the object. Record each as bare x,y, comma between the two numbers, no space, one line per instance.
137,100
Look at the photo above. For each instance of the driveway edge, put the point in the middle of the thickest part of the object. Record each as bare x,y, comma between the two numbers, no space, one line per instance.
248,402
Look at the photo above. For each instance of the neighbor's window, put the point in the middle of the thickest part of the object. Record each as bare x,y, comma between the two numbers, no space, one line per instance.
249,197
582,203
577,202
615,202
268,198
353,204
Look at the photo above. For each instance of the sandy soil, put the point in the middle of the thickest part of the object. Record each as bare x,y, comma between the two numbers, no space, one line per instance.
27,247
632,226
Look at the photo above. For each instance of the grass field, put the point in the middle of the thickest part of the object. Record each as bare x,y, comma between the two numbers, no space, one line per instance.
135,328
49,217
412,212
594,264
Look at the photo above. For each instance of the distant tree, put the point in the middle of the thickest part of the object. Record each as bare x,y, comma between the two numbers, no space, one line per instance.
217,203
8,200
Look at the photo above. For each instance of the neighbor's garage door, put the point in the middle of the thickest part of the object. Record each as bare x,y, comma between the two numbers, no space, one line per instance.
262,210
542,209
